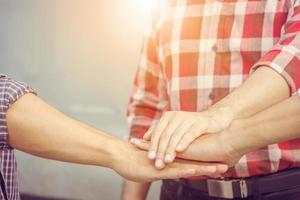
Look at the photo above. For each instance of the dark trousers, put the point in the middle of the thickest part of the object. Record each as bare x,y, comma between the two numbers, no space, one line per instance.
169,191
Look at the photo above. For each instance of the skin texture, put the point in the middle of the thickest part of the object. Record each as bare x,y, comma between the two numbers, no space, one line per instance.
278,123
39,129
177,130
241,103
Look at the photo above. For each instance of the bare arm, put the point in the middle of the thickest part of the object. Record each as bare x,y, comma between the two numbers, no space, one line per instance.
37,128
264,88
176,130
278,123
276,77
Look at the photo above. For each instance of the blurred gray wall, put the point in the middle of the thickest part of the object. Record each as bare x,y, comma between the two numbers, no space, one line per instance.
80,56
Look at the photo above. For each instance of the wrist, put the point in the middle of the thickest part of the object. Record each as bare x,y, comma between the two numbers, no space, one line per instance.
239,136
116,153
112,149
223,116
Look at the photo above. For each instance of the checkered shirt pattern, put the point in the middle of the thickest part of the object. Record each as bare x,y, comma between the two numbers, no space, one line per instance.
10,91
195,52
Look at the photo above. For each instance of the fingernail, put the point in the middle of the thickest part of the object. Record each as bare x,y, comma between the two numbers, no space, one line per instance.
159,163
179,147
168,158
151,154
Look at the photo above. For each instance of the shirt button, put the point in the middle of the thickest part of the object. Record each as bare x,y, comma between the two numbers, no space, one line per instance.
211,96
214,48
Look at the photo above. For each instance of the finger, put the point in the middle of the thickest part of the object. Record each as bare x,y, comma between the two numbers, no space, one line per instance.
176,137
222,168
174,173
189,136
187,170
141,144
214,176
156,135
148,134
164,142
201,169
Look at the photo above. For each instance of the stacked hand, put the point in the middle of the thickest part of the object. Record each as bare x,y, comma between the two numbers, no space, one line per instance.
177,130
209,148
133,164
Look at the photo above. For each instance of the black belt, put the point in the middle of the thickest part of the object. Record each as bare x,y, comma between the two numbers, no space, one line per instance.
242,188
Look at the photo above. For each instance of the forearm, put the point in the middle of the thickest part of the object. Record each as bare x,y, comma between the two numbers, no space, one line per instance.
135,190
36,128
264,88
278,123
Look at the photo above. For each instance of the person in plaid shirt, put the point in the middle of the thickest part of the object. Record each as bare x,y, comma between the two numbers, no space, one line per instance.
276,124
193,77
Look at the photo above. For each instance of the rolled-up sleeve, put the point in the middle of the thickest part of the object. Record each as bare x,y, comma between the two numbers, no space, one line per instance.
10,91
284,57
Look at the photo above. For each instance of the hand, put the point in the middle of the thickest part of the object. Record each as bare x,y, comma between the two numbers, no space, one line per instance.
216,147
133,164
177,129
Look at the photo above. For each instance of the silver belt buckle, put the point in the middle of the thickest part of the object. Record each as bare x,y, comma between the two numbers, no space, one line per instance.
224,188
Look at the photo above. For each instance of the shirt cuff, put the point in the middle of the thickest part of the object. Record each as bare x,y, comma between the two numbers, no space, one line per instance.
286,63
10,92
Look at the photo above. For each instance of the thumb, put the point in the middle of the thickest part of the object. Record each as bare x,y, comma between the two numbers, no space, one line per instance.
141,144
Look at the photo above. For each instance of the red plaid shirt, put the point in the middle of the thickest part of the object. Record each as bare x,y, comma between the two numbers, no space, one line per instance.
195,52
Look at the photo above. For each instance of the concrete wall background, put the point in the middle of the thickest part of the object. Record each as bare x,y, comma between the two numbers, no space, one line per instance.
80,56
